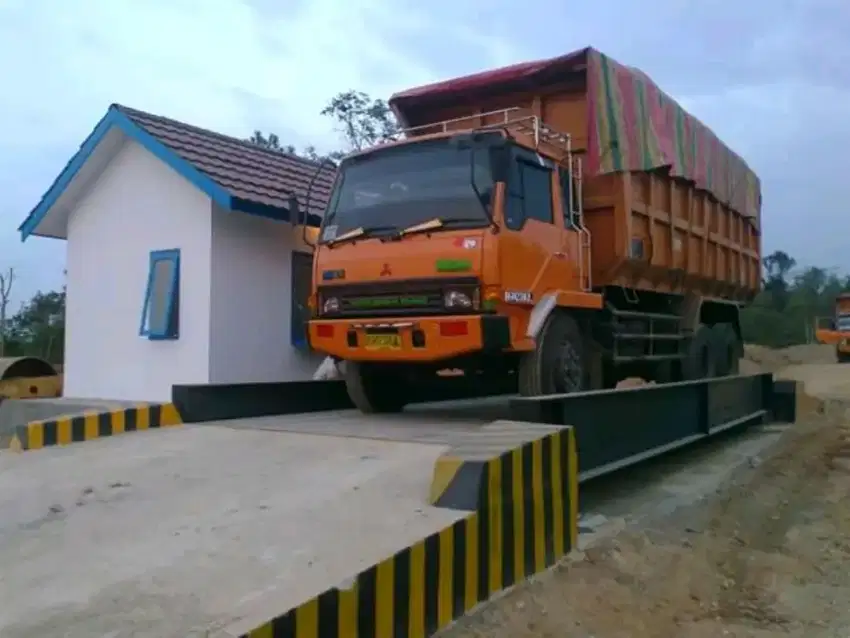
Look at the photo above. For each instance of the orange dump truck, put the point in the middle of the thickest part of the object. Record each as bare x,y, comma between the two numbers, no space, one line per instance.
562,221
837,332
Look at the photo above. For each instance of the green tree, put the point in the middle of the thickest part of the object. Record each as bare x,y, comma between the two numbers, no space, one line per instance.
777,266
787,310
38,329
7,280
362,120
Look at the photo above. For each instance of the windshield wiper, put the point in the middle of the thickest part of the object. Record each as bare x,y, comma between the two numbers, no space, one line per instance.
439,222
357,233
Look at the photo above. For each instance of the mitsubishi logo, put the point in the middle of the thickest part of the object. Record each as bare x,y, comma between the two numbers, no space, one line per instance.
386,271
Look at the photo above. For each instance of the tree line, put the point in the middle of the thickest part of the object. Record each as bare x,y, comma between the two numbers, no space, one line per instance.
791,301
784,313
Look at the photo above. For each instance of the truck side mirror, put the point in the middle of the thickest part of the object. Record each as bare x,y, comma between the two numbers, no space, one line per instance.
500,163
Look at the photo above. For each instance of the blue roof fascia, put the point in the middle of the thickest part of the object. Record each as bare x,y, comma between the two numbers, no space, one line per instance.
115,117
261,210
271,212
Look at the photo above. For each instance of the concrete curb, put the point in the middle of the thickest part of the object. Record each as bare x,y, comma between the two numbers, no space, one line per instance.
76,428
521,481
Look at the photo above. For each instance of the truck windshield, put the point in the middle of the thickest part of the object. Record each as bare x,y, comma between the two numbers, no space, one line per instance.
843,322
406,185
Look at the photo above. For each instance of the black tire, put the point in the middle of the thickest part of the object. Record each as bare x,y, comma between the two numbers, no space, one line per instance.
841,356
375,388
726,350
558,364
700,360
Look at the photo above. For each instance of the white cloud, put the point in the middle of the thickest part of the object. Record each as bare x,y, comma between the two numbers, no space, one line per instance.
196,60
223,65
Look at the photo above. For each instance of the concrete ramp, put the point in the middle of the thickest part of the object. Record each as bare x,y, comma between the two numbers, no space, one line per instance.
185,531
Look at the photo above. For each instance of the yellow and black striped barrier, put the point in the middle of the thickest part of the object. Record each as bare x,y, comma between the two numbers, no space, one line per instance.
520,480
76,428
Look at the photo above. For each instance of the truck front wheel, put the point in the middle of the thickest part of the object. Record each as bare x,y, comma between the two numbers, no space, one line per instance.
558,363
375,388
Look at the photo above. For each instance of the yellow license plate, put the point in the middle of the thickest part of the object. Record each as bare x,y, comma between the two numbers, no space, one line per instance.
383,342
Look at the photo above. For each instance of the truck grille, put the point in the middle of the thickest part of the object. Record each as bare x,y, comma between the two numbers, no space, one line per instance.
397,298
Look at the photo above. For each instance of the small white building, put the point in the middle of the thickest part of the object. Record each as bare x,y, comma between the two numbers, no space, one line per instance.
184,264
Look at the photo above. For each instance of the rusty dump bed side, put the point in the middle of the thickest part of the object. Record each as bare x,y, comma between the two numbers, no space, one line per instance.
842,304
669,206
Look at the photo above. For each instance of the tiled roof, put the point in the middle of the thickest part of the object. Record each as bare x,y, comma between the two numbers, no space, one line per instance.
247,171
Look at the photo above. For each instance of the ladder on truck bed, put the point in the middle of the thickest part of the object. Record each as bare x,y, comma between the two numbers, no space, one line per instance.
515,123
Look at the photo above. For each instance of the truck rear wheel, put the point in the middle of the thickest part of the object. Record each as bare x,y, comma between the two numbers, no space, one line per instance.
375,388
558,363
700,360
726,349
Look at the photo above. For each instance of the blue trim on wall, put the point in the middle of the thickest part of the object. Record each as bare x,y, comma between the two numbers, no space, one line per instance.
115,117
170,328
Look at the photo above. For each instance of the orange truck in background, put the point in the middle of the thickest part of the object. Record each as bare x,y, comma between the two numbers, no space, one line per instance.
837,331
562,222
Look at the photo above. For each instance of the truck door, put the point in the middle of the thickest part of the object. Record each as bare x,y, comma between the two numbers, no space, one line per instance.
533,250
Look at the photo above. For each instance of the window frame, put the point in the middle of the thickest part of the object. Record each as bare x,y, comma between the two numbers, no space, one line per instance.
521,162
298,319
171,327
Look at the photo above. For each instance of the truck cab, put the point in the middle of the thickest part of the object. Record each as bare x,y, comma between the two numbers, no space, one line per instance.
450,250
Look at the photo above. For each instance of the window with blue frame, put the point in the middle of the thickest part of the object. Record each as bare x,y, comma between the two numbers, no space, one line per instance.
161,307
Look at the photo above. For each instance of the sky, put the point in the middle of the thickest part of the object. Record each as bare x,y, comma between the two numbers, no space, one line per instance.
771,78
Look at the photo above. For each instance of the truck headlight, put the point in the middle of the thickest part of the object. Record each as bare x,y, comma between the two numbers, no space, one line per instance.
457,299
330,305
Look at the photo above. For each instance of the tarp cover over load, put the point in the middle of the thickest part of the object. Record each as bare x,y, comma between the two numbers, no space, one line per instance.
632,124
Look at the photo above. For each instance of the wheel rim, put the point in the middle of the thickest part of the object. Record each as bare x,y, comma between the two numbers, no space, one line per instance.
568,370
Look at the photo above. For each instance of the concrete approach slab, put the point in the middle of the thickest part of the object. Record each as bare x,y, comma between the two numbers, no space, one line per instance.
185,531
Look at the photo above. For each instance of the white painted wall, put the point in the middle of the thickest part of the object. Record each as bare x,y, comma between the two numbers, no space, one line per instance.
137,205
250,302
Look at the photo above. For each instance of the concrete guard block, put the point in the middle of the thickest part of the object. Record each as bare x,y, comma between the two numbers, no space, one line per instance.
76,428
519,482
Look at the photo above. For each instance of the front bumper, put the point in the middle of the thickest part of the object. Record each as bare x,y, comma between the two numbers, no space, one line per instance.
421,339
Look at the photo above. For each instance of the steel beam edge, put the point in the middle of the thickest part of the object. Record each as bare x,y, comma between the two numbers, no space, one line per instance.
618,428
517,484
201,403
92,424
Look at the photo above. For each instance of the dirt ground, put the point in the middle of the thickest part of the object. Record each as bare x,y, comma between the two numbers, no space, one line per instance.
767,555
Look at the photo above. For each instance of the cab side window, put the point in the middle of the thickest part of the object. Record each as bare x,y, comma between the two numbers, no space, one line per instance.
529,194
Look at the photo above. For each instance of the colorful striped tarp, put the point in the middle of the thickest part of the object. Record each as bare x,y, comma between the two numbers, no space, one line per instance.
634,125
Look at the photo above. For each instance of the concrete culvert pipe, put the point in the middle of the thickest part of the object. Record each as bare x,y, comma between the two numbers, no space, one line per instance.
28,378
24,367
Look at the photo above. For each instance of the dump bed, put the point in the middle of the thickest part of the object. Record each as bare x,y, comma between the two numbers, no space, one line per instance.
669,206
